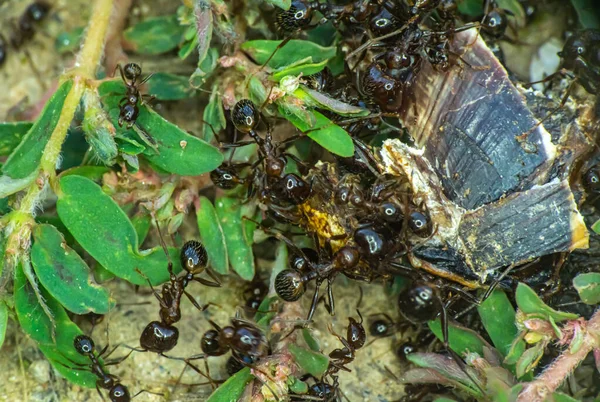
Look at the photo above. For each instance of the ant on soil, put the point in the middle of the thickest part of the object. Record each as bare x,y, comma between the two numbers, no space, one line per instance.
355,339
162,336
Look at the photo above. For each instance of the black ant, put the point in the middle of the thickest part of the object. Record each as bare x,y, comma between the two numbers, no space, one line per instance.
84,345
24,29
355,339
162,336
254,294
382,327
129,109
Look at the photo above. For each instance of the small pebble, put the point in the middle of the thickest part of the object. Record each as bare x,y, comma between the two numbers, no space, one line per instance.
40,371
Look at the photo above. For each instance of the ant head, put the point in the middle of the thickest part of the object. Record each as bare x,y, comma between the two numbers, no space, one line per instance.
383,23
342,195
380,328
244,116
323,391
132,71
289,285
297,17
249,341
591,180
158,337
419,223
419,303
225,177
347,257
84,345
391,213
37,11
384,90
119,393
233,365
193,256
302,263
404,349
356,334
495,23
210,343
293,189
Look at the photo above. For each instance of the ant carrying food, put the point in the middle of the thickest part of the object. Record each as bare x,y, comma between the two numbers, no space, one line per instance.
129,109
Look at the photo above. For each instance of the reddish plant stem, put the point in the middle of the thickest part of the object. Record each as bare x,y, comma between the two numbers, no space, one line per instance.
555,374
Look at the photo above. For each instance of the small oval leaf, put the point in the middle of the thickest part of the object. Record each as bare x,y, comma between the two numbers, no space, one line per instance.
312,362
293,51
155,35
239,250
3,321
326,133
321,100
105,231
232,389
37,325
65,275
304,69
170,87
462,340
498,318
212,235
530,303
588,287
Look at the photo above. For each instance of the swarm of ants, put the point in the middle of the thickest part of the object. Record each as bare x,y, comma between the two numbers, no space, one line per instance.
361,226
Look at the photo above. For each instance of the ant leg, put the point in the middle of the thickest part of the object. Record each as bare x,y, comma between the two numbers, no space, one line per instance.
197,370
213,276
330,298
99,393
281,44
164,247
148,392
163,304
142,82
118,66
279,236
195,303
206,282
117,360
315,300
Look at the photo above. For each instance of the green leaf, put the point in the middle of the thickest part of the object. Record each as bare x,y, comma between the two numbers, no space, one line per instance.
10,186
294,50
65,275
472,8
141,224
26,158
516,350
304,69
297,387
327,134
312,343
587,11
170,87
283,4
318,99
11,135
212,236
3,321
239,249
312,362
498,318
529,303
155,36
213,116
560,397
530,359
461,339
177,151
232,389
91,172
67,42
106,233
588,287
37,325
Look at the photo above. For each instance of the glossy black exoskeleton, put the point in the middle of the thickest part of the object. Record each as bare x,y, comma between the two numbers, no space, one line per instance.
355,339
129,109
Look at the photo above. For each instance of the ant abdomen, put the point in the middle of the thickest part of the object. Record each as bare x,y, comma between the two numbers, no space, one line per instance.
289,285
419,223
211,345
193,256
159,338
419,303
293,189
244,116
225,177
119,393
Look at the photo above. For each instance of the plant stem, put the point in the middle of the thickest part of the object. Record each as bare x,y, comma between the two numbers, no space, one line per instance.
18,242
553,376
